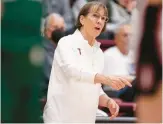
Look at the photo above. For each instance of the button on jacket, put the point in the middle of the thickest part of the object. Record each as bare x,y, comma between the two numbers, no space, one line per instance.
72,94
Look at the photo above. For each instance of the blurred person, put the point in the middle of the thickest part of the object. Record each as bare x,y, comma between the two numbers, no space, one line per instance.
136,31
121,11
53,31
22,59
149,64
68,9
117,61
74,91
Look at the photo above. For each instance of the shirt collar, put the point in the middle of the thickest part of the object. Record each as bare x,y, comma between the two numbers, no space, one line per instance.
81,38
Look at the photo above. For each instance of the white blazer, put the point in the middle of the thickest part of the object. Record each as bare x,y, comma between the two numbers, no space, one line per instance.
72,94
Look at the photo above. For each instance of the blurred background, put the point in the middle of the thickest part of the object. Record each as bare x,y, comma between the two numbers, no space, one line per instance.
132,46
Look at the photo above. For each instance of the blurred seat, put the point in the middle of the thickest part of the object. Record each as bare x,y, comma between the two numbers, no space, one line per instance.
105,44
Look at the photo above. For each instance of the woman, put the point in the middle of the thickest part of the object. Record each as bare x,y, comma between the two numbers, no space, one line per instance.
74,91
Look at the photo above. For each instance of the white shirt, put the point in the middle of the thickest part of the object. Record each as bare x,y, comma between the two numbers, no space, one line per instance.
115,62
72,94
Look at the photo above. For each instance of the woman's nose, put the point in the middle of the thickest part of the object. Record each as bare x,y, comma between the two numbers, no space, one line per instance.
99,20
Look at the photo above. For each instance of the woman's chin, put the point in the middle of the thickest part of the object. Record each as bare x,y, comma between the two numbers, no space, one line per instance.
96,33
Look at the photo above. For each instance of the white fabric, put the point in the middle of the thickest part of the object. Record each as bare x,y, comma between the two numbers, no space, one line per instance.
115,62
72,94
101,113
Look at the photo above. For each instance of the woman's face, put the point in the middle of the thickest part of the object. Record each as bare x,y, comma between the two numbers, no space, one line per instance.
94,22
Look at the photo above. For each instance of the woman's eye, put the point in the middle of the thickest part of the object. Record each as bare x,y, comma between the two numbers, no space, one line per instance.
103,18
95,15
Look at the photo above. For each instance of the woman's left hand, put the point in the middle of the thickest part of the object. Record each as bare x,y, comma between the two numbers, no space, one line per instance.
113,108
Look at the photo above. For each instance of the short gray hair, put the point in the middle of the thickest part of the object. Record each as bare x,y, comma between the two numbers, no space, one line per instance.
117,29
47,19
46,23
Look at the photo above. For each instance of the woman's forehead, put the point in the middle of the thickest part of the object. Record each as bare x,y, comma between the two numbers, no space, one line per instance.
98,9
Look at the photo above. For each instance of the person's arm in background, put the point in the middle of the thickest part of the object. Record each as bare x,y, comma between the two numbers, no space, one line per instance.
118,17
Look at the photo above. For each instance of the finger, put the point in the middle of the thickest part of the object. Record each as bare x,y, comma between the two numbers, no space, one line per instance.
126,82
122,85
117,110
113,105
129,78
110,105
112,117
119,83
114,86
122,82
115,113
116,81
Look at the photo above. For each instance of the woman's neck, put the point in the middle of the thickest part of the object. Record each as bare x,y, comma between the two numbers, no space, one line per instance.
88,37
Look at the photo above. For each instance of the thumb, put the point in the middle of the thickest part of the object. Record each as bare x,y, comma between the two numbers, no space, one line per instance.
112,117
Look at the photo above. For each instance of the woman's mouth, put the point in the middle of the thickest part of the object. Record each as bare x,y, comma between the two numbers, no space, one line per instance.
97,28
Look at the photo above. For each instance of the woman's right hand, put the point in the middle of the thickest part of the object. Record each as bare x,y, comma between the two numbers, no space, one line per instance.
116,82
119,82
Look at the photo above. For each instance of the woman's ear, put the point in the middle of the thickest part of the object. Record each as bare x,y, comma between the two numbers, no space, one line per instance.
82,20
